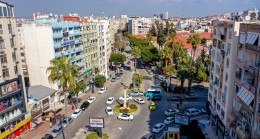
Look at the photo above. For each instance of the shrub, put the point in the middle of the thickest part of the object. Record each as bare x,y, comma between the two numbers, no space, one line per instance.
94,135
123,110
132,106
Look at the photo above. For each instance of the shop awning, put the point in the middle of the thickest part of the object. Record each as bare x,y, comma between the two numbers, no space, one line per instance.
245,96
251,38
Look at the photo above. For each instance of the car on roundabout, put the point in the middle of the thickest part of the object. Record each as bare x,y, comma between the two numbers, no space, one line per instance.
110,100
139,100
171,112
109,111
102,90
125,116
91,99
152,106
127,98
158,127
168,120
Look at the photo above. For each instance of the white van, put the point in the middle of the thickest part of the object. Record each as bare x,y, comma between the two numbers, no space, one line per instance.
192,112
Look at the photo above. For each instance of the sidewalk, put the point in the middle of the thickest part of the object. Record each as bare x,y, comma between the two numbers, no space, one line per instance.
44,127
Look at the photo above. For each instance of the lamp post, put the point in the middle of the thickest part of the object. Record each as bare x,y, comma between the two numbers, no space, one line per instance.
120,128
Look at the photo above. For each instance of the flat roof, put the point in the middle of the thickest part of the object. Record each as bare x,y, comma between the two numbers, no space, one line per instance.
39,92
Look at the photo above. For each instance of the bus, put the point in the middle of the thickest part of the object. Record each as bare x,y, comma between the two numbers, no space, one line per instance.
153,91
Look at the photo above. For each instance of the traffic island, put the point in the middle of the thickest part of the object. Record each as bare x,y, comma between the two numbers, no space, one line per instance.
94,135
132,108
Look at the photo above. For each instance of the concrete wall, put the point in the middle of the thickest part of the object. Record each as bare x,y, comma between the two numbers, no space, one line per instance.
39,52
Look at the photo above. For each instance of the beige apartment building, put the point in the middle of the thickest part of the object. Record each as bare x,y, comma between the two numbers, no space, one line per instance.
245,115
14,114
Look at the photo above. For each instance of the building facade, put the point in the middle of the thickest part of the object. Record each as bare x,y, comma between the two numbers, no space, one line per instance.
14,116
245,115
139,25
222,74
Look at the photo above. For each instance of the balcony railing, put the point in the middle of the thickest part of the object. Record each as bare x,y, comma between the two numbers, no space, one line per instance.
242,133
253,47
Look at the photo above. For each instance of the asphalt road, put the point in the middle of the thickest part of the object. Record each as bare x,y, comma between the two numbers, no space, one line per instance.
144,119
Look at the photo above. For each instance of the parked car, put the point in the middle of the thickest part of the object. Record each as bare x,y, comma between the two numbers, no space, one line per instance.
84,105
174,98
168,120
152,106
109,111
171,112
127,98
91,99
76,113
198,86
149,136
64,122
191,96
110,100
118,75
102,90
47,136
113,79
139,101
56,131
128,68
135,93
155,98
193,112
125,116
158,127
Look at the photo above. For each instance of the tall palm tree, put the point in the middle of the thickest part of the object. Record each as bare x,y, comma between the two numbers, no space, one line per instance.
195,42
139,79
63,71
149,37
136,53
166,54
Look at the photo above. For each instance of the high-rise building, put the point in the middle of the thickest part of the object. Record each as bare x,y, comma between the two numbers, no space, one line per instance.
139,25
222,74
14,116
245,115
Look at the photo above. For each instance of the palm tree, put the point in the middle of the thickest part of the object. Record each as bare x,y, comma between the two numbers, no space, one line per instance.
149,37
136,53
195,42
139,79
166,54
77,87
63,71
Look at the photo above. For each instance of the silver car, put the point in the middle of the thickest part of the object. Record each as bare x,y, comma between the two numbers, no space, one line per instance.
56,131
64,122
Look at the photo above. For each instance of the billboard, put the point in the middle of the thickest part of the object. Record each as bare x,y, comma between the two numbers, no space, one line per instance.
182,119
96,122
8,88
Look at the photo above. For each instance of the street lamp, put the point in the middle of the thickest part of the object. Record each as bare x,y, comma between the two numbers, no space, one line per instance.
120,128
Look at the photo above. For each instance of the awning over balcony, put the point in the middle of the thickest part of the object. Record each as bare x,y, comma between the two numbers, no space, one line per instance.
245,96
251,38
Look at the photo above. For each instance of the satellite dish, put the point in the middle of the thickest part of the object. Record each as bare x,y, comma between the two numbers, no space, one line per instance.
248,18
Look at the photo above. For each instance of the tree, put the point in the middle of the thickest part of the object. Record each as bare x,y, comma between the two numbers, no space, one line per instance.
136,53
138,78
166,54
117,57
149,37
201,76
100,80
204,41
182,75
63,71
79,87
120,43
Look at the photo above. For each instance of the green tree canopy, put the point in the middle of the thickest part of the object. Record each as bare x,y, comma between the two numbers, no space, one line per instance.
117,57
100,80
202,76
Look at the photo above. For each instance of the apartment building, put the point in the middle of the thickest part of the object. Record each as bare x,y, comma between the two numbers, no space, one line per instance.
139,25
91,55
222,74
245,115
14,116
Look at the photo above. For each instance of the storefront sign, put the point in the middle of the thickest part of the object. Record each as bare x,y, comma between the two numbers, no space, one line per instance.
10,87
181,119
97,122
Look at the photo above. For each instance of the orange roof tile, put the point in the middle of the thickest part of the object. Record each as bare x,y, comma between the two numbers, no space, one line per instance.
140,36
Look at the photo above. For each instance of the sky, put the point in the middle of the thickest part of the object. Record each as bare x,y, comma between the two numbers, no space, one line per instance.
147,8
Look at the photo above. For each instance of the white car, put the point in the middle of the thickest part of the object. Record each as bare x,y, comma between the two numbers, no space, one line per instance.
56,131
192,112
139,101
135,93
127,98
158,127
76,113
91,99
168,120
110,100
109,111
102,90
171,112
124,116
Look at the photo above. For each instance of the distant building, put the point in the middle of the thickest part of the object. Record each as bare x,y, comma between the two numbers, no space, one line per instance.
139,25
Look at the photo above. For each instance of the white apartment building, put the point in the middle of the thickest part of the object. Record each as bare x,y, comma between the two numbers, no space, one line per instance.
139,25
39,52
222,74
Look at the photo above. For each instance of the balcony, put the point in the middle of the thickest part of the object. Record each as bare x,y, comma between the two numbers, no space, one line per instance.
242,133
253,47
6,108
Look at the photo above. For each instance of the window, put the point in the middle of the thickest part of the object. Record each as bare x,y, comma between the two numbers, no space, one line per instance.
1,11
228,48
236,105
218,107
1,27
227,63
226,77
3,58
258,128
6,72
5,11
230,35
222,113
10,28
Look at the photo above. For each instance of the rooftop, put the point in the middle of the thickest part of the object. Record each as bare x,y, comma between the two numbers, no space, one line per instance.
39,92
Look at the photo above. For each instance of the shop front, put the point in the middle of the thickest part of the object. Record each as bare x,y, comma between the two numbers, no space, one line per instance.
216,124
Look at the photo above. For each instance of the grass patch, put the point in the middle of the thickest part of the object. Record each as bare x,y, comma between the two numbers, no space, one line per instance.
94,135
132,109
